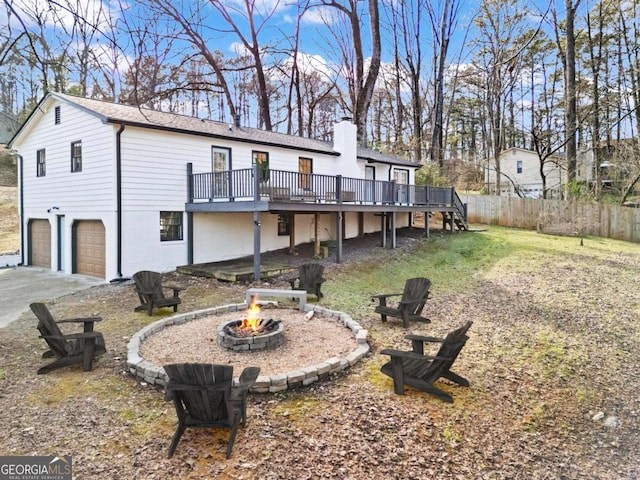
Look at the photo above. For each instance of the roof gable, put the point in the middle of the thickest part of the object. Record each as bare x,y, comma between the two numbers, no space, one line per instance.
118,114
145,118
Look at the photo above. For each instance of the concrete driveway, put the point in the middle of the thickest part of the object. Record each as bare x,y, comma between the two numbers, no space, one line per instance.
21,286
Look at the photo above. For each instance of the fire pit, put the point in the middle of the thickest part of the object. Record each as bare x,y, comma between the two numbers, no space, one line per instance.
320,343
251,333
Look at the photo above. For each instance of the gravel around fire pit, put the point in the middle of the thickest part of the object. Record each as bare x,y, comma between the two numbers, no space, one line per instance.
307,342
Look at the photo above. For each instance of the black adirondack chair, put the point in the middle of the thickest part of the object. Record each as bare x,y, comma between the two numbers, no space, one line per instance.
151,292
72,348
204,397
310,278
411,303
419,371
240,391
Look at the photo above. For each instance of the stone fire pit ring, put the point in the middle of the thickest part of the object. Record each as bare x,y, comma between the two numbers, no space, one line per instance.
272,339
155,375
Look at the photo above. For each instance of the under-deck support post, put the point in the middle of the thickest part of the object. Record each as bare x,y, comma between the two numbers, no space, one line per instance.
339,239
383,229
256,226
292,233
426,224
393,230
316,234
189,214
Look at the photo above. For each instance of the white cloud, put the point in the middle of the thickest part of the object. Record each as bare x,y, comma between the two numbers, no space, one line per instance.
261,7
238,49
112,59
319,16
32,12
308,63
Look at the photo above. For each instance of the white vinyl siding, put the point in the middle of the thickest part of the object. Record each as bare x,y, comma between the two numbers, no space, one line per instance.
90,191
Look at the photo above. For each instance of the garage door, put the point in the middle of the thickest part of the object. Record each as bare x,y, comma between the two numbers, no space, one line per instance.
40,243
89,248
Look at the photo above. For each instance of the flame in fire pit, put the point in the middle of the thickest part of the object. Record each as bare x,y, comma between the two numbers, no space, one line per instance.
252,321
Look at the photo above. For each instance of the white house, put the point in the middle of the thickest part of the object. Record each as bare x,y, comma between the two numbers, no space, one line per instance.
107,189
520,174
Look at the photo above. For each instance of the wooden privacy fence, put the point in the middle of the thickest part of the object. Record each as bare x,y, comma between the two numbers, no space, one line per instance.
555,216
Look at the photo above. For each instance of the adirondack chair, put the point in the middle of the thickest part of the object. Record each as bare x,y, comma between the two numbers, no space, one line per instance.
69,349
204,397
420,371
411,304
151,292
240,391
310,279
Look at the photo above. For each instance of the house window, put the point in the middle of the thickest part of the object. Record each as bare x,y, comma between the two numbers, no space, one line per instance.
519,166
261,159
170,226
305,169
57,115
41,165
76,156
284,227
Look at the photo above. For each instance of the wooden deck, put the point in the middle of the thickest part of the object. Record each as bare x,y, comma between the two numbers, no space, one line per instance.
237,270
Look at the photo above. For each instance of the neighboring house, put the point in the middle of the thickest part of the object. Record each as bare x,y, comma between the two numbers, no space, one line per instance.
614,160
107,190
520,174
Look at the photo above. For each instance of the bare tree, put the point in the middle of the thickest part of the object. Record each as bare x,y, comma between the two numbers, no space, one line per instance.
443,25
498,62
360,85
571,105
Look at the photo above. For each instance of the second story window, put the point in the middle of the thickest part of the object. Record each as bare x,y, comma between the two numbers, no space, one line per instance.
305,169
41,164
76,156
519,166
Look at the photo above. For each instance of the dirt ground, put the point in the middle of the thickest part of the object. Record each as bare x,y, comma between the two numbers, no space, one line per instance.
552,361
9,237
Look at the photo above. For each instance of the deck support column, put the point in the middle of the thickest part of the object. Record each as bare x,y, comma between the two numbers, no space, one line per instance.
393,230
383,229
316,234
426,224
256,226
339,239
292,233
256,246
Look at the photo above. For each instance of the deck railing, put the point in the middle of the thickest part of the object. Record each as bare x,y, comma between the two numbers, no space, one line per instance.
285,186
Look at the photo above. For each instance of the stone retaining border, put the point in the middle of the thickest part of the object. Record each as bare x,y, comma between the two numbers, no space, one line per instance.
155,375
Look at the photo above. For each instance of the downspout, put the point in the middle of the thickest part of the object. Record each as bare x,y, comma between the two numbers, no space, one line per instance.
21,207
119,198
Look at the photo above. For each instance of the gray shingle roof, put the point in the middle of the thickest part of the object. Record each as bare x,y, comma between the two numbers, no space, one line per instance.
378,157
110,112
142,117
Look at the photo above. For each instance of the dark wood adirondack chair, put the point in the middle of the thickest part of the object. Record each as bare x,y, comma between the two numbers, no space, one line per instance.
420,371
310,279
240,391
151,292
411,304
204,397
70,349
